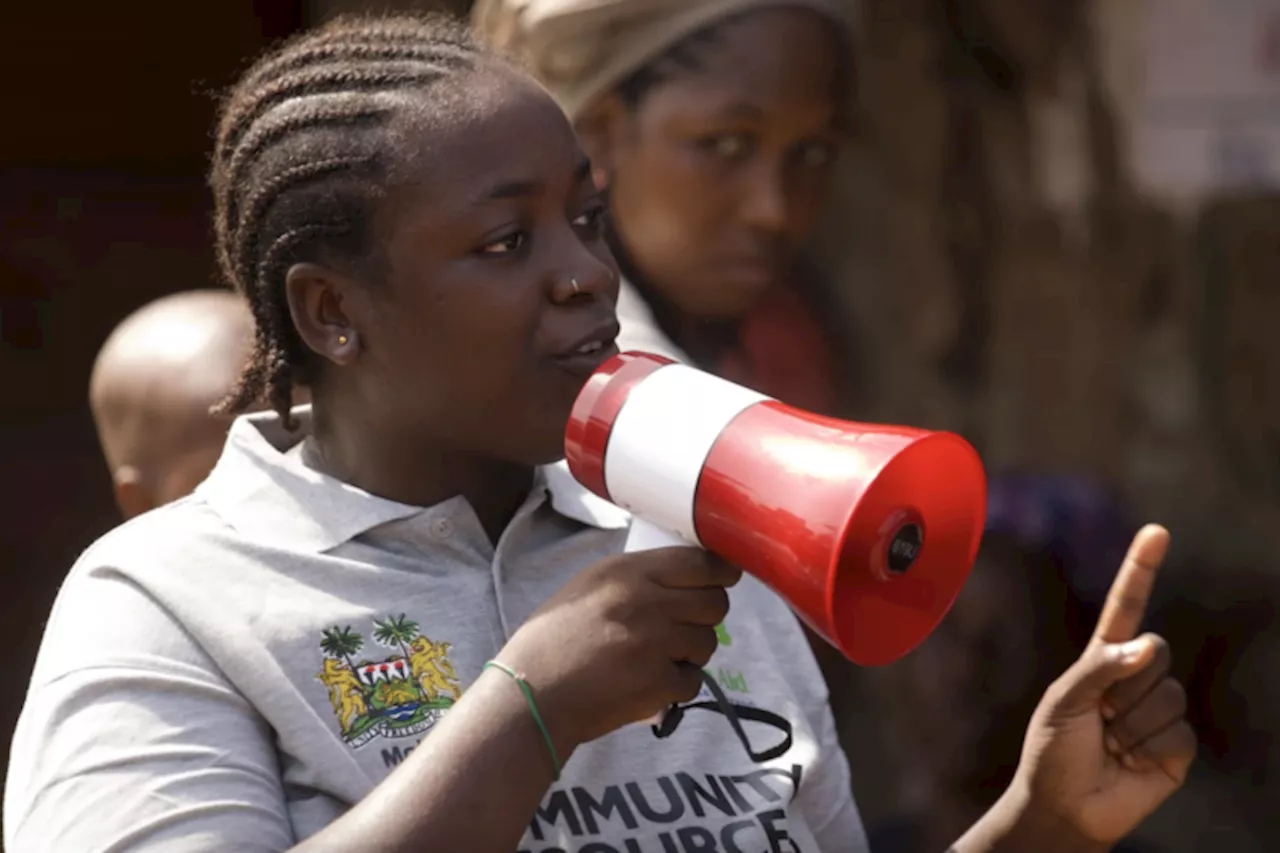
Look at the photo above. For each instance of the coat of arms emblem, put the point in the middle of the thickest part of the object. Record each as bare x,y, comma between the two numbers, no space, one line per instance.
398,695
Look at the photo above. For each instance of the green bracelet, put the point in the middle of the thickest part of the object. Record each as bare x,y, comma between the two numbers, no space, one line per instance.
533,709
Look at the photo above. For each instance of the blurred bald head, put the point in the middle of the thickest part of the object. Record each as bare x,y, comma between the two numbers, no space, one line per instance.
153,384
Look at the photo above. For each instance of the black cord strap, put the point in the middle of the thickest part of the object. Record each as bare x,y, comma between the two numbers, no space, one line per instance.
735,714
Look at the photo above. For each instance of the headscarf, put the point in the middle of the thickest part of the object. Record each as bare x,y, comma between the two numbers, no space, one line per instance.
581,49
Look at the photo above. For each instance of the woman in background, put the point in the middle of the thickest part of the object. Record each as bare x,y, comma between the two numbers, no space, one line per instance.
713,127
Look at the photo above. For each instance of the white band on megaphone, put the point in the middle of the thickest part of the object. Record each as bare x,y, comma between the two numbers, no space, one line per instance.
661,437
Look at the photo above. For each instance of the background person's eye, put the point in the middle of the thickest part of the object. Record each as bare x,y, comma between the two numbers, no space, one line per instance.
726,146
593,219
504,245
816,154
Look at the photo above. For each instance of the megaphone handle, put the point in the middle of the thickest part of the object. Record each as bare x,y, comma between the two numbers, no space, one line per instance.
645,536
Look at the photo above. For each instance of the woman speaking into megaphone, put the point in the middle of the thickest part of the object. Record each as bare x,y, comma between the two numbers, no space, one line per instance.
713,128
382,624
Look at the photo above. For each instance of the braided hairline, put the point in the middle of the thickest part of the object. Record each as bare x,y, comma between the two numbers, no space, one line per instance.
357,50
311,110
353,41
227,176
325,110
336,75
333,40
318,81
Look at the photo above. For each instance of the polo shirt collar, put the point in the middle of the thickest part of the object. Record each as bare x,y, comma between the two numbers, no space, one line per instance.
263,489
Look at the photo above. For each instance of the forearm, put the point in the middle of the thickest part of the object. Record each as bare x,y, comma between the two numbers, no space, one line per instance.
473,784
1011,827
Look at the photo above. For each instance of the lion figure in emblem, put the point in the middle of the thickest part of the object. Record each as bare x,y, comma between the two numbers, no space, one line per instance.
432,670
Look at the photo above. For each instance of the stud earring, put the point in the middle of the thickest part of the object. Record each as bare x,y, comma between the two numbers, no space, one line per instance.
342,340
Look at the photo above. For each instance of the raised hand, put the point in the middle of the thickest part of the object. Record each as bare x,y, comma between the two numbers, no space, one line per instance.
1109,742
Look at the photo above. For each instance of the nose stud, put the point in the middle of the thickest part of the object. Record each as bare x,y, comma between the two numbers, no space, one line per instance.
576,288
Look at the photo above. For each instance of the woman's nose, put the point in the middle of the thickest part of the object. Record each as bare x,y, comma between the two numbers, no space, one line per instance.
764,207
594,279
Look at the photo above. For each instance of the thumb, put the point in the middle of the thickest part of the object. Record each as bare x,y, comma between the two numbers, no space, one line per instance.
1101,666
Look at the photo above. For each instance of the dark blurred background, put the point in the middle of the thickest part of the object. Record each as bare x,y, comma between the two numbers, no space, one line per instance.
1059,235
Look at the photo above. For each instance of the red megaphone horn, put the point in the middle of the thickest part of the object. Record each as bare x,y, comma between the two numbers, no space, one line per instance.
867,531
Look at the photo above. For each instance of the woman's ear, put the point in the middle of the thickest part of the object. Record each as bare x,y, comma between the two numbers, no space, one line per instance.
318,304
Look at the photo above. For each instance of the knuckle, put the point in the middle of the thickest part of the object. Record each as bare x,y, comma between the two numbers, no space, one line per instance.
707,645
687,563
1178,743
707,566
621,610
732,574
1187,742
618,565
616,634
644,563
1163,656
1173,696
719,604
718,569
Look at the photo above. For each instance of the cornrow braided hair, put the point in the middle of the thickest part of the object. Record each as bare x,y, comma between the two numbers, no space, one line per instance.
303,152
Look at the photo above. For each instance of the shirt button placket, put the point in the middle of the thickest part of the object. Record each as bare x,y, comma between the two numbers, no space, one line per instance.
440,529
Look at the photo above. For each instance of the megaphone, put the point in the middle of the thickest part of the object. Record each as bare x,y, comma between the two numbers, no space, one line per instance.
867,531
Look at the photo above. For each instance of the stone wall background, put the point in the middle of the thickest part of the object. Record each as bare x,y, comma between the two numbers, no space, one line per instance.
1006,278
1010,282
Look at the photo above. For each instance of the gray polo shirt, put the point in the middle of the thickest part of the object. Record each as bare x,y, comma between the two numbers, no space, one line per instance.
234,671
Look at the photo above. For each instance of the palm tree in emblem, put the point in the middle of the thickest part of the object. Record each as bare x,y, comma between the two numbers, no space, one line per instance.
400,630
343,643
396,629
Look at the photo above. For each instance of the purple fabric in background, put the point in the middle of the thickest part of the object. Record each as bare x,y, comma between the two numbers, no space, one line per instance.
1078,521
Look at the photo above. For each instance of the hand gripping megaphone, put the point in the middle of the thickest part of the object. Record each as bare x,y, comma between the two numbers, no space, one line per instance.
867,531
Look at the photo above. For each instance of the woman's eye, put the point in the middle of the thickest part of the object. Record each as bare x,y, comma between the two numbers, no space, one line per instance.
726,146
817,155
593,220
504,246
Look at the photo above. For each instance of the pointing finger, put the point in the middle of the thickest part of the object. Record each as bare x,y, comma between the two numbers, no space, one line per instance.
1126,605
